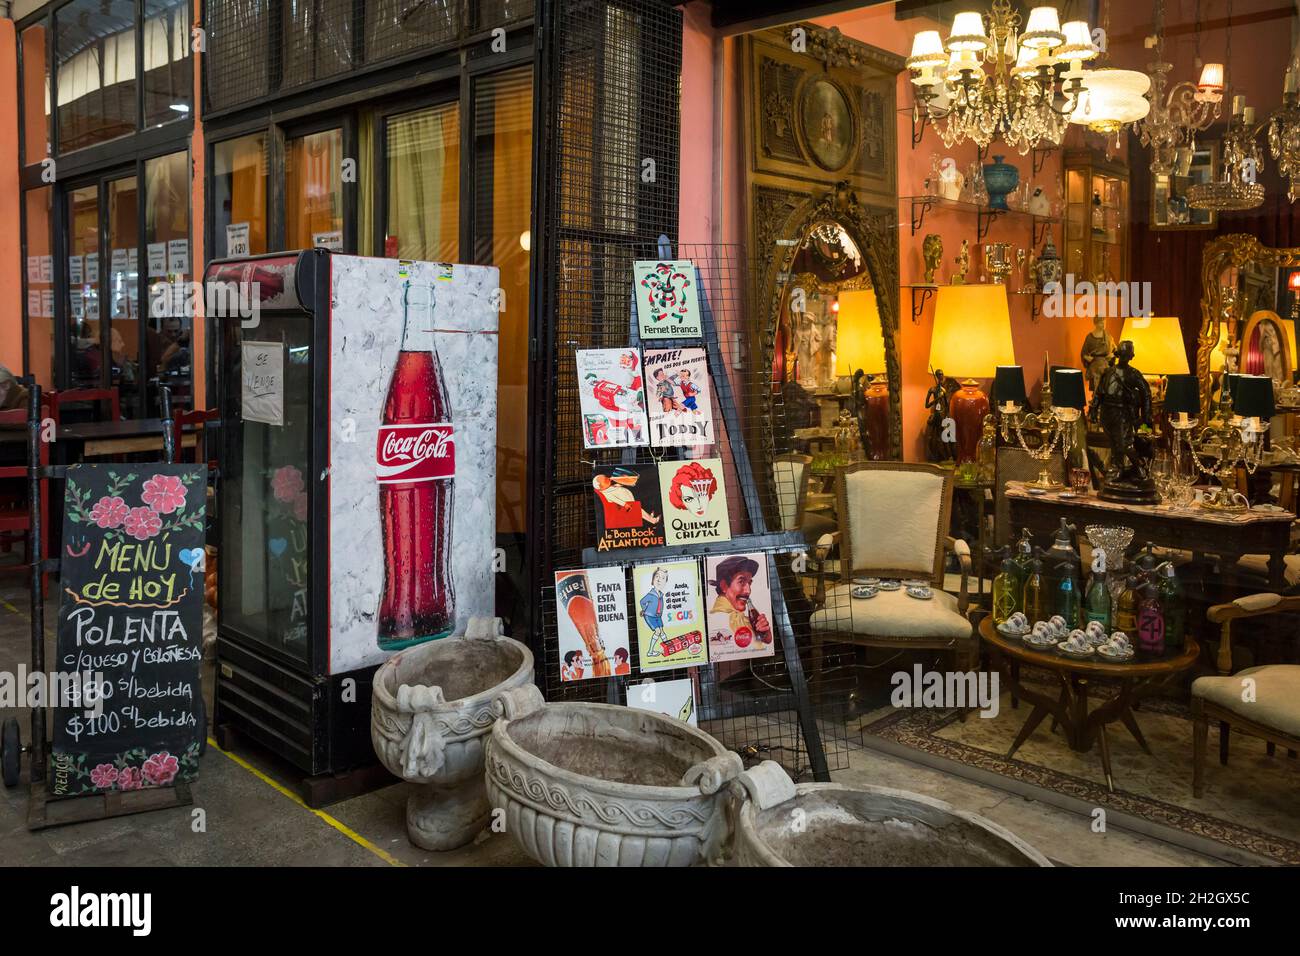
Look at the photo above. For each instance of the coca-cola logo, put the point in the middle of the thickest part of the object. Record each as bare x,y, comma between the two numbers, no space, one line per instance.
415,452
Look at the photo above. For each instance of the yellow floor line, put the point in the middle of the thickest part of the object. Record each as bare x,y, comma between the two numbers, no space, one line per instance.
343,828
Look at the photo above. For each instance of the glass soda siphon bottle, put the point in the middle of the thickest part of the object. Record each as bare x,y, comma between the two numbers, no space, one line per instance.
1096,604
1007,591
1150,621
1125,610
1067,593
1173,605
1034,601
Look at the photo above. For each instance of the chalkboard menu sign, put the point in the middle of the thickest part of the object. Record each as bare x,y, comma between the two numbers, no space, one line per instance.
131,612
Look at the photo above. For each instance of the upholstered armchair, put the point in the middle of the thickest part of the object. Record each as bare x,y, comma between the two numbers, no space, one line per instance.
893,524
1261,702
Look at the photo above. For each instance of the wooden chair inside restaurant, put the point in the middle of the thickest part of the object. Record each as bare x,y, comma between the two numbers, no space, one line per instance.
893,525
15,516
108,402
198,417
1261,701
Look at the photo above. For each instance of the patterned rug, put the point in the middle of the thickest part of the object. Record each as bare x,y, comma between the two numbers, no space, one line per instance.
1250,804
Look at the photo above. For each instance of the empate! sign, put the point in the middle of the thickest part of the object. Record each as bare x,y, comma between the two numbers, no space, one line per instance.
415,453
131,612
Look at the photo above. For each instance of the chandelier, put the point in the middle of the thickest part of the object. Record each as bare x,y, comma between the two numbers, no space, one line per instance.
1178,115
1237,185
1284,135
981,83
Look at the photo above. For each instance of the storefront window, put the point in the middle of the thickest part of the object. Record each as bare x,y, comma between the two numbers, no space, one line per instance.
167,325
121,290
87,361
313,191
239,196
423,219
36,94
40,286
503,146
95,53
168,71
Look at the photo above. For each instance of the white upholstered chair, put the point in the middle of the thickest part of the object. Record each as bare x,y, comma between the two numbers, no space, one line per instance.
894,524
1260,701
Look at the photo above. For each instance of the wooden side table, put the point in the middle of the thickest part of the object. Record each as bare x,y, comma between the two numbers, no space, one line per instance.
1136,679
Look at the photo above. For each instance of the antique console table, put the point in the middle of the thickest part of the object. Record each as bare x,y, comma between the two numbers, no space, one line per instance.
1230,535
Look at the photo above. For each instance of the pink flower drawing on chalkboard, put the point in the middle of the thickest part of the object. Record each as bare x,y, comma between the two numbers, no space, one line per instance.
109,512
160,769
103,776
287,483
143,523
164,493
130,779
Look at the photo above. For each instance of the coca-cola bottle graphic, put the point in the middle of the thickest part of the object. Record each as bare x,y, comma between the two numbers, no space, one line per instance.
416,468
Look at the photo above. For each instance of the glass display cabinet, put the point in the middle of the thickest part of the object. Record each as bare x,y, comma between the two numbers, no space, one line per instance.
1096,218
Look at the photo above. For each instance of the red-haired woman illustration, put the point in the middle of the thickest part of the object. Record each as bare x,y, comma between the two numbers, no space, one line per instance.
692,488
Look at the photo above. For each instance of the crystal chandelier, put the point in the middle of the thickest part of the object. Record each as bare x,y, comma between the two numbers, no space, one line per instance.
1284,135
1237,185
980,84
1178,115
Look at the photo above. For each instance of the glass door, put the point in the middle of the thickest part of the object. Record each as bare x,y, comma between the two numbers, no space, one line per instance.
313,190
422,165
86,366
120,290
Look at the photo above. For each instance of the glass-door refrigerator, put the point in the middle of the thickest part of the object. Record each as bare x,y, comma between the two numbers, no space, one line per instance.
357,484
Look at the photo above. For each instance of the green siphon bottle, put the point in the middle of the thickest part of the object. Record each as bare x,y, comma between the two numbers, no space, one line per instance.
1007,591
1034,600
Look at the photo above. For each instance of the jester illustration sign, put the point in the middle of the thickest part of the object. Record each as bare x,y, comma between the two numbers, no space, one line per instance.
667,299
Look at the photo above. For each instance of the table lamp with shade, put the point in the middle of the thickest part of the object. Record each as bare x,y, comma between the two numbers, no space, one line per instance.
859,353
1234,443
1182,413
971,338
1158,348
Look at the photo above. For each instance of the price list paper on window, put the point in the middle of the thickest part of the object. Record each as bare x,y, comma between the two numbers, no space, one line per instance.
131,627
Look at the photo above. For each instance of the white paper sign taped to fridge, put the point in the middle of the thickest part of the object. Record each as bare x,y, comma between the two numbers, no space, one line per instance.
263,382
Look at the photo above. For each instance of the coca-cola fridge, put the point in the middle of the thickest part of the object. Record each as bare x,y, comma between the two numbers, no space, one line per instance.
357,488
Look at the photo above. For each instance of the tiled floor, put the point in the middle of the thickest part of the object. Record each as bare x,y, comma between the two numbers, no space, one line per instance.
245,820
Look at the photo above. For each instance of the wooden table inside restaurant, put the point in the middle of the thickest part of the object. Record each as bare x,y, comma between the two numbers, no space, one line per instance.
1136,678
1199,530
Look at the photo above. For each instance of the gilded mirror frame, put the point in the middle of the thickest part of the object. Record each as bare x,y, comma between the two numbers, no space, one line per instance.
1233,251
875,233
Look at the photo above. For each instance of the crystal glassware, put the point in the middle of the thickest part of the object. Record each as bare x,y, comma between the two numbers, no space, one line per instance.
1080,479
1113,540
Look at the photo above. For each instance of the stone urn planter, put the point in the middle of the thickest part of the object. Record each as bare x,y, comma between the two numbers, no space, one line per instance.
830,824
603,785
432,708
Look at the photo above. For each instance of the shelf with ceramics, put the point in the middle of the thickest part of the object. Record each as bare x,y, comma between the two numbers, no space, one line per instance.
986,214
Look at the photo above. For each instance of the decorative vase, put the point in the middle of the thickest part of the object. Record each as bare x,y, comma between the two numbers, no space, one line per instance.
1000,178
1049,265
437,743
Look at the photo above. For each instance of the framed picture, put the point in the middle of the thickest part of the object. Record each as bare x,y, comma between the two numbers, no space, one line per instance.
1169,208
827,124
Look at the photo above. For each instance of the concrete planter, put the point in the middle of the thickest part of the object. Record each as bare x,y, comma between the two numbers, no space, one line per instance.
602,785
828,824
432,708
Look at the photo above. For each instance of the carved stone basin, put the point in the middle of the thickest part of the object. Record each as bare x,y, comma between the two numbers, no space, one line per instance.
602,785
432,707
828,824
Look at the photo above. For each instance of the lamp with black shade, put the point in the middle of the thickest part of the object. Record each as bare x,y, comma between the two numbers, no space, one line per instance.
1236,440
1057,425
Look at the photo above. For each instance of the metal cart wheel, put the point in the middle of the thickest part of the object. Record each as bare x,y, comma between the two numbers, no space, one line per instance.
11,749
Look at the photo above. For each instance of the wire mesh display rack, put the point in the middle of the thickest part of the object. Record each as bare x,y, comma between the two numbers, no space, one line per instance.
760,707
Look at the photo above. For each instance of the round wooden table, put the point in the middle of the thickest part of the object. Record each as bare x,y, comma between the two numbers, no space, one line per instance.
1136,679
